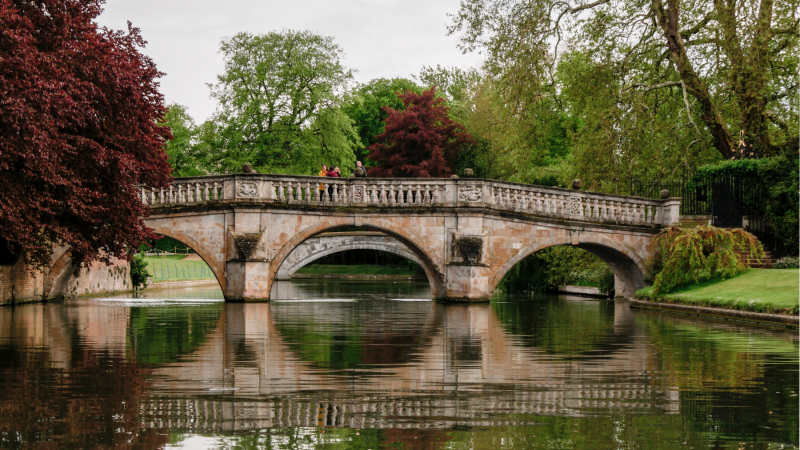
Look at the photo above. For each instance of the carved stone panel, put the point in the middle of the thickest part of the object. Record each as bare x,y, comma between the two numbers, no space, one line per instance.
575,206
470,194
247,189
358,193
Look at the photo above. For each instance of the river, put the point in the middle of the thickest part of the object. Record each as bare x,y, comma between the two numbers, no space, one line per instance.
370,365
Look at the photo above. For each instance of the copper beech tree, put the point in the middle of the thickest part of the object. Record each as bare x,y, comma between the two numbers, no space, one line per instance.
420,141
79,113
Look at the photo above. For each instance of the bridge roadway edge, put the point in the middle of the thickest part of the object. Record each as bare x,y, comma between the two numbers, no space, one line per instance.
439,269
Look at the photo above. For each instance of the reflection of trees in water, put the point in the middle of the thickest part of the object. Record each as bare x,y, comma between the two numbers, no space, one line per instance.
571,328
92,403
162,334
348,335
733,384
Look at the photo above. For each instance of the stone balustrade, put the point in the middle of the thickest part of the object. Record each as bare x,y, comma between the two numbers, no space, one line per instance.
415,193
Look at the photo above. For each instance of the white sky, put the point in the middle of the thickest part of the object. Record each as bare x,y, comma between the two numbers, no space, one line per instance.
380,38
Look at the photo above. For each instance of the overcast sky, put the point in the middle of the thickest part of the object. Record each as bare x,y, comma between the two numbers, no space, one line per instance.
380,38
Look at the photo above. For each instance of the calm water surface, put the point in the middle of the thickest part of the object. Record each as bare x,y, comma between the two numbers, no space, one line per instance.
369,365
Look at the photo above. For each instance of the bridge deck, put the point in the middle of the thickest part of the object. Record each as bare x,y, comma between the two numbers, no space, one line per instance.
401,193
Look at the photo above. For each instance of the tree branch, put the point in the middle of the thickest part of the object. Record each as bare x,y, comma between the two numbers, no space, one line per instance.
774,97
588,6
776,120
698,26
650,87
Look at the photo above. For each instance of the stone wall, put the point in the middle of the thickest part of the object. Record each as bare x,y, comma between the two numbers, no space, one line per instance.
19,283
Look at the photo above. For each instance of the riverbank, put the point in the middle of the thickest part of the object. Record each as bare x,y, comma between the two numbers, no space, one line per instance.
766,292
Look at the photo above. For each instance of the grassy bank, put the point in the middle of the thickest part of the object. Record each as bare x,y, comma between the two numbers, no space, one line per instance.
174,268
365,269
758,290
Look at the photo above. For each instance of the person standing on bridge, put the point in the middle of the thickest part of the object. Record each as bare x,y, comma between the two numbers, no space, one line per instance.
322,173
360,171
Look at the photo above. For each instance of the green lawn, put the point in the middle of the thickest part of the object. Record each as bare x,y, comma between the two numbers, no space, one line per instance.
366,269
172,268
759,290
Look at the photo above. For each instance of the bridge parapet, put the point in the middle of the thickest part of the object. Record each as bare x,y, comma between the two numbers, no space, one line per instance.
415,193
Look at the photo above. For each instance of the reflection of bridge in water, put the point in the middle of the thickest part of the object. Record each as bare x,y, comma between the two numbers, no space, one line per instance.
464,370
461,368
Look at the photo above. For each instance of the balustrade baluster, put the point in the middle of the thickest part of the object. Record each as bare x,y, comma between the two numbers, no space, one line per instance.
288,194
373,197
197,197
391,194
308,193
335,192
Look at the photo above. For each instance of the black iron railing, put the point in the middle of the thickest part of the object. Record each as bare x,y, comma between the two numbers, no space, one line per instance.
729,201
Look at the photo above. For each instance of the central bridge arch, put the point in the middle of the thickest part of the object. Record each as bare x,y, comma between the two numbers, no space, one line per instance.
402,236
326,244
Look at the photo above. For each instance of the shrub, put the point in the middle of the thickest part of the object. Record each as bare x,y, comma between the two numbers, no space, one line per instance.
787,262
139,272
687,255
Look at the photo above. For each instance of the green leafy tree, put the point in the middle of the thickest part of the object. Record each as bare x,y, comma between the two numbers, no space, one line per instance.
366,107
183,152
277,88
655,85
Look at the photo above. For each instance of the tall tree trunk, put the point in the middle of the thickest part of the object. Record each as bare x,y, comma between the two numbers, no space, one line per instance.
669,20
750,69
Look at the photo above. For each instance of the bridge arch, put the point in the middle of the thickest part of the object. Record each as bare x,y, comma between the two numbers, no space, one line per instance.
627,265
403,235
292,264
55,283
216,267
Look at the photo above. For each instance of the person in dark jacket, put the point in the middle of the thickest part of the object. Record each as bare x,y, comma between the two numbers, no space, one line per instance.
360,171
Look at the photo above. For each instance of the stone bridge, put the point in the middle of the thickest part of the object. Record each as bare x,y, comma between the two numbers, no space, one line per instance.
329,243
465,233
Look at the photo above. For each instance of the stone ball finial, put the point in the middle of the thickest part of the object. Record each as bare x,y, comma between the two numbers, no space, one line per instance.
352,175
468,173
455,177
576,184
247,168
664,194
